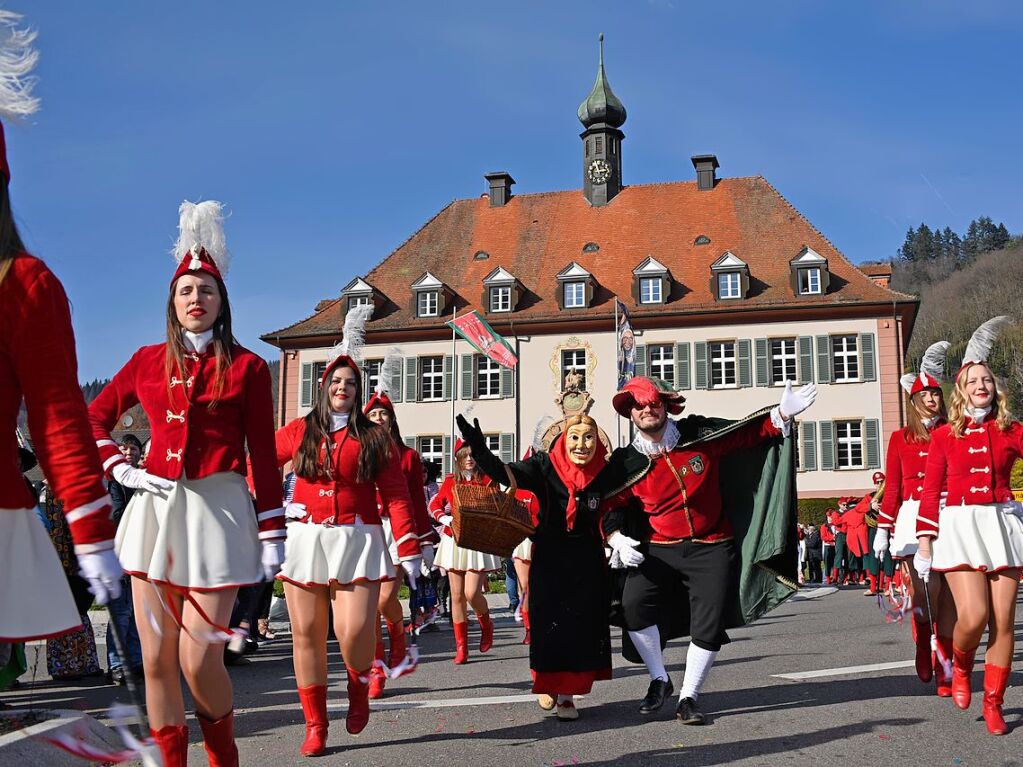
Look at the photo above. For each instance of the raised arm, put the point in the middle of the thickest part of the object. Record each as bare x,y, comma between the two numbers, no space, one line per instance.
528,474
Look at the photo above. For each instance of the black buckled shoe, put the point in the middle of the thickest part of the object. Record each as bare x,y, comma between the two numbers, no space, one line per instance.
688,712
659,690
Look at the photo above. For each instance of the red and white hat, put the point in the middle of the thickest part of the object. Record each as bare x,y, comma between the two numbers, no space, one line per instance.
201,246
982,340
878,477
348,353
390,370
932,370
644,391
17,60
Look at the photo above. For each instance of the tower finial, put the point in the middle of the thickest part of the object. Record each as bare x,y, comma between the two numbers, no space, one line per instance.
601,105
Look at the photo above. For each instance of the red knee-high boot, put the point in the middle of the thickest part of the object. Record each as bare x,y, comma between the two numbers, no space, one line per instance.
962,668
173,743
944,682
218,735
461,642
396,634
995,680
358,701
377,678
314,709
525,625
486,631
924,662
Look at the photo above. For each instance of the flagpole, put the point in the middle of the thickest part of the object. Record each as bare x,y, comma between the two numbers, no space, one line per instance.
618,344
455,380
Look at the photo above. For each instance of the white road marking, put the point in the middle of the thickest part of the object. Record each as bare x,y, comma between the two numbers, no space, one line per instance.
845,670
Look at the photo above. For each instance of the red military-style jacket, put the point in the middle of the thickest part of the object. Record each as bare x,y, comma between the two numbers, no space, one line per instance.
975,466
412,469
904,474
191,437
38,362
827,534
855,522
681,493
441,503
340,498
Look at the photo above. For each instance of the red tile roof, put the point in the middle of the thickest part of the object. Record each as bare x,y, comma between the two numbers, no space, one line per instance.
535,236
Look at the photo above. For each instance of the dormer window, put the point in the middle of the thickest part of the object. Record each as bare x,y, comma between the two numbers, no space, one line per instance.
429,296
810,275
575,295
729,278
651,282
576,287
501,291
500,298
354,301
427,303
358,292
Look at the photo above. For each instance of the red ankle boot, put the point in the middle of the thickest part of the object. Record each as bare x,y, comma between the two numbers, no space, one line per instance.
944,682
995,680
377,677
396,633
486,632
358,701
218,736
525,625
461,642
314,709
872,580
962,668
173,743
924,662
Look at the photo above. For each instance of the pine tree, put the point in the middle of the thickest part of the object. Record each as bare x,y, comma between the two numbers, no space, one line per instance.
906,252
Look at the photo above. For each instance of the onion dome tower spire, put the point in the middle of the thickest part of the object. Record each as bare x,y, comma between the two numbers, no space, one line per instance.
602,115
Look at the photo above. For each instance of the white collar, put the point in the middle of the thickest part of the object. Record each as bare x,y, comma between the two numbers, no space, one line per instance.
978,414
338,421
665,444
929,423
198,341
468,475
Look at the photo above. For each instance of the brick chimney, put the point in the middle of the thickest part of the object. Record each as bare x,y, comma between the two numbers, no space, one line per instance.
500,188
706,165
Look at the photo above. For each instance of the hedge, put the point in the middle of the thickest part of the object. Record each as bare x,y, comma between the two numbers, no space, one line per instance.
812,510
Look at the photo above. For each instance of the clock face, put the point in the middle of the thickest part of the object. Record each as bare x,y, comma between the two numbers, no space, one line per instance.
598,171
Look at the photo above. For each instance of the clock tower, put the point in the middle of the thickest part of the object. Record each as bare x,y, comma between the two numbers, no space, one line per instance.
602,114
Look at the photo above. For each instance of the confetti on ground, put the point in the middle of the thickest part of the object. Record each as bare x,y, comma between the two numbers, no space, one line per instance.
957,760
678,745
886,737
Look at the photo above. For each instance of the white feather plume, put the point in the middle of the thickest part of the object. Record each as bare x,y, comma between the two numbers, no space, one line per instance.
984,338
353,334
907,382
17,59
390,369
201,226
539,430
933,362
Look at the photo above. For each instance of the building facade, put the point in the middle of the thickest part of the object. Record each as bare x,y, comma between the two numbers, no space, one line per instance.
730,289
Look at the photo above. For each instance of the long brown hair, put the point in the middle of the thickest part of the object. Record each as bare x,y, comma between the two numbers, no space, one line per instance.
10,241
916,430
961,401
222,343
313,458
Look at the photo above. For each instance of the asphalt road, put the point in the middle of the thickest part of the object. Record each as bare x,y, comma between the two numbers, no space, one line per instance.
482,713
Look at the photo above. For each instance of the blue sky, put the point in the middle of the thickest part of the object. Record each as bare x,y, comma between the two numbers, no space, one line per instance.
335,131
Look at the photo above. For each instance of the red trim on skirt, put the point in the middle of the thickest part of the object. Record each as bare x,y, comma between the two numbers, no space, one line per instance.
335,581
201,589
40,637
968,568
567,682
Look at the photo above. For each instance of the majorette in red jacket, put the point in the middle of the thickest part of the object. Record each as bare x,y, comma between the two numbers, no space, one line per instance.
337,500
441,503
37,361
904,474
827,534
412,469
855,520
191,439
976,467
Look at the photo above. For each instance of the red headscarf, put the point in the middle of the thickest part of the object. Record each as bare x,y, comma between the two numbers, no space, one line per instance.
576,478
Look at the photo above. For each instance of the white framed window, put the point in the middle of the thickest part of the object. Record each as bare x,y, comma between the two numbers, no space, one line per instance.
575,295
493,443
372,370
354,301
431,450
651,290
783,361
845,358
849,444
488,378
500,298
810,281
427,303
722,365
729,285
661,361
431,380
574,361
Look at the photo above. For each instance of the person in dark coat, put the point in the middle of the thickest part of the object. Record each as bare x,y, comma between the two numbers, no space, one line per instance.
814,553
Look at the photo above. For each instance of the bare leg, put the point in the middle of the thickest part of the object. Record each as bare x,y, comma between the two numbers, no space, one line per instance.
474,592
309,610
944,604
459,612
202,661
355,611
389,605
1004,586
970,592
164,702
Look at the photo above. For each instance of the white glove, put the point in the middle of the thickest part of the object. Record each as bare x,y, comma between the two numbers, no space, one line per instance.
273,558
626,548
616,560
446,520
140,479
429,554
295,511
922,565
880,543
103,572
411,568
795,402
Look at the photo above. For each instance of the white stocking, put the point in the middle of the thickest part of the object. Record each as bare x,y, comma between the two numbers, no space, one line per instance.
648,645
698,663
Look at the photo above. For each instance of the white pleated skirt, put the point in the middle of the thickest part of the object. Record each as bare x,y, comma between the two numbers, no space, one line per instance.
321,555
201,535
392,545
35,601
904,541
524,551
451,556
986,537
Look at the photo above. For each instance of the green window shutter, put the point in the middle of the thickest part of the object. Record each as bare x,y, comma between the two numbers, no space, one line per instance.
447,455
763,363
808,445
872,432
868,368
449,377
411,379
468,373
306,398
507,382
682,366
806,359
409,442
395,384
507,448
700,355
640,359
824,359
745,376
827,445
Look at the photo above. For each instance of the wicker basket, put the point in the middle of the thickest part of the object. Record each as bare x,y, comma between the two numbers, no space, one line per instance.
489,519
